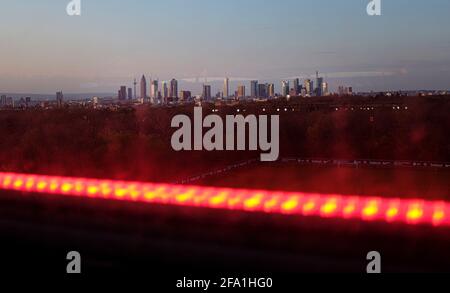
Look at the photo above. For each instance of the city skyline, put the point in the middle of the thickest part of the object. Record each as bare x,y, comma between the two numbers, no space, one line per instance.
407,48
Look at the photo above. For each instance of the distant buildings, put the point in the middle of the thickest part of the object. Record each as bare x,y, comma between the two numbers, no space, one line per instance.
345,91
130,93
271,90
262,91
164,92
185,96
143,95
154,94
325,91
308,85
59,99
319,82
173,93
296,87
284,88
226,88
122,94
254,89
206,94
241,92
3,101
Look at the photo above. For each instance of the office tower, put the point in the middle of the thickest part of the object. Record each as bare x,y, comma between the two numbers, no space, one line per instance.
319,81
241,92
285,88
206,95
130,93
350,91
325,88
154,91
59,99
226,88
185,95
296,86
308,85
254,88
134,84
271,90
173,93
3,101
143,89
165,91
262,90
122,93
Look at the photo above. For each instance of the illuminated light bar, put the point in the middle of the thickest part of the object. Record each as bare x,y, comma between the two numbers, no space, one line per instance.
408,211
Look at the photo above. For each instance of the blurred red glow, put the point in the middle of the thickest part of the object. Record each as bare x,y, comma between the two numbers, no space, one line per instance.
408,211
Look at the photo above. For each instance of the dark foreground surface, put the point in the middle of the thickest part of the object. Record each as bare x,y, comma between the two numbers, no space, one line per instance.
37,232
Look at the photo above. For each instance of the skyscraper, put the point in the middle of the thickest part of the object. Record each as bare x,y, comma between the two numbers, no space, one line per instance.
309,86
296,86
254,88
130,93
226,88
3,101
325,89
262,91
173,88
285,88
122,95
165,91
154,91
206,95
271,90
319,81
59,99
143,89
241,92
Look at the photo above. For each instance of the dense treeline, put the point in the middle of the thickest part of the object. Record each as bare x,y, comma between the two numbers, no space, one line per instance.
135,143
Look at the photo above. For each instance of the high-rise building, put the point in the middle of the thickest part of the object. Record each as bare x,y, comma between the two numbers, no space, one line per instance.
271,90
309,86
206,95
59,99
185,96
296,87
226,88
254,88
262,91
130,93
154,91
319,82
285,88
3,101
325,88
241,91
165,91
143,89
173,89
122,94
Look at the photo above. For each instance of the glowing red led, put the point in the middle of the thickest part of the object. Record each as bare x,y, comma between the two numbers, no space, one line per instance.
408,211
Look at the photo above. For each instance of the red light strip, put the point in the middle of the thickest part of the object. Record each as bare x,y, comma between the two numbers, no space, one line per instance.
293,203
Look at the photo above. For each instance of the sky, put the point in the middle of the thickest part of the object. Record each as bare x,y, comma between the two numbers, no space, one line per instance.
43,50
